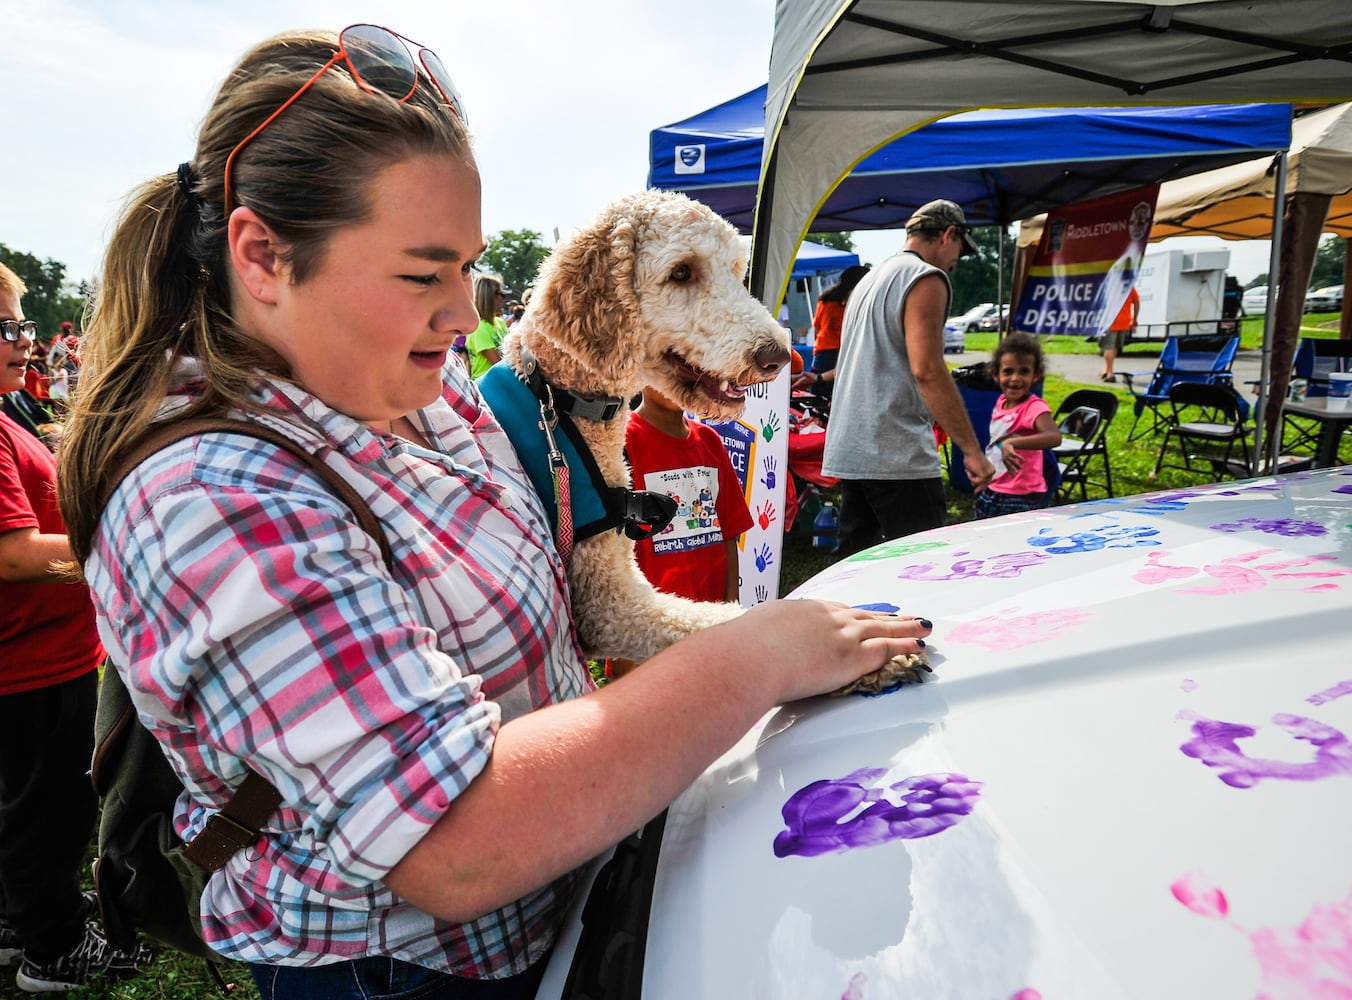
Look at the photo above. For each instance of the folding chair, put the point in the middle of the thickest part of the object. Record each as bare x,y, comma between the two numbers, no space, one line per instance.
1314,360
1205,416
1204,358
1084,417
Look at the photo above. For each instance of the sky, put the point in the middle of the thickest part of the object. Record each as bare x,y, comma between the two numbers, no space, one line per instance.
101,96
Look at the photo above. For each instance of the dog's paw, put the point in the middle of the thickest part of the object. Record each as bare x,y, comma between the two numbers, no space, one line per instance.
911,668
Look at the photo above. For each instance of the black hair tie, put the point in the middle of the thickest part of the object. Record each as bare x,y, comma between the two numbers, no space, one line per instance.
186,178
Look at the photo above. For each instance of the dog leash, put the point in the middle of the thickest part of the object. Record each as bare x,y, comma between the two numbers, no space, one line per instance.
640,513
558,468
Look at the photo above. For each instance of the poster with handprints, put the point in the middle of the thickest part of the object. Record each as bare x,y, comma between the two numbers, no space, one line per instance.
759,453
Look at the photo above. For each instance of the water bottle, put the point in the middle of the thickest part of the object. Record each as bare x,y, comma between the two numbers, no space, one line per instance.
826,527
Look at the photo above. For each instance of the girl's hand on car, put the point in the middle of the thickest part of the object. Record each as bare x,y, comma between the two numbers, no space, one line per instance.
809,647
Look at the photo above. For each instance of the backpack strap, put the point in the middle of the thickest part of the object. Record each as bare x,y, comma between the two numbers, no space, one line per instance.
161,436
237,824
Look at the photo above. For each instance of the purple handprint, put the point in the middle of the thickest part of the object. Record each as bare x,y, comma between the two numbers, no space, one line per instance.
769,465
1285,526
1216,744
832,816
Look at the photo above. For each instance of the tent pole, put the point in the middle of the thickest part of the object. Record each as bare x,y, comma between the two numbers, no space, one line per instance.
1000,281
1270,323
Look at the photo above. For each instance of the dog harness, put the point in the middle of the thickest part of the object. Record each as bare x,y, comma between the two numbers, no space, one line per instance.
530,410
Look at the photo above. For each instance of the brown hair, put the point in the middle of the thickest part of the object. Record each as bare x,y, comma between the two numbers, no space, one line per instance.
1019,343
165,291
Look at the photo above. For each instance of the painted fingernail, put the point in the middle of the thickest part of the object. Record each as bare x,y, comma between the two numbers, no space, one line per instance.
925,623
920,643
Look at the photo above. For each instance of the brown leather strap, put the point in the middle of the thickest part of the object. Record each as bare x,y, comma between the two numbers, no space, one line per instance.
236,826
162,436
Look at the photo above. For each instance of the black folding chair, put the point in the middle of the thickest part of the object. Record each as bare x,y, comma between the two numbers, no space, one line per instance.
1200,358
1207,424
1084,417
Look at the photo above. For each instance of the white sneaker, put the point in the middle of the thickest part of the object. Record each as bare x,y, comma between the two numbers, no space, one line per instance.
92,956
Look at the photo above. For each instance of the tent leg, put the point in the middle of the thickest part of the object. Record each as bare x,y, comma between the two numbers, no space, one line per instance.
1270,323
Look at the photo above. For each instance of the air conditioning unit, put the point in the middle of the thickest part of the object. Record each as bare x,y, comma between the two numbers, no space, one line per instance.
1206,260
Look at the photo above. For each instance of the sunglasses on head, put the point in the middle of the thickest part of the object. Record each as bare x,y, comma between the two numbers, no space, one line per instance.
380,63
11,330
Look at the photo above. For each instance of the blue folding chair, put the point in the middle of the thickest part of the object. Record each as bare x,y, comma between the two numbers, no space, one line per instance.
1206,359
1315,358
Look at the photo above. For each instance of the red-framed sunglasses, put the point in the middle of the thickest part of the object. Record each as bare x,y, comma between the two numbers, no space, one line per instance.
380,62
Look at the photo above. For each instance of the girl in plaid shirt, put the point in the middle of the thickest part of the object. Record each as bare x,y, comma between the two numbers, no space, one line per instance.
444,763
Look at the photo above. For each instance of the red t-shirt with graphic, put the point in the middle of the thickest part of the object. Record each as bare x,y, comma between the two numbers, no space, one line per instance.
688,557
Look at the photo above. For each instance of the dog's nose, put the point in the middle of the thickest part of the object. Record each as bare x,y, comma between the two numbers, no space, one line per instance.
771,359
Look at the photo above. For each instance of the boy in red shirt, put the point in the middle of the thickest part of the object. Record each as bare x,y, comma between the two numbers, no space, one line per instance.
695,556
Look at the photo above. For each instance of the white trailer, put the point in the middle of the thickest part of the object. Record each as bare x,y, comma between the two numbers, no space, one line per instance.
1181,292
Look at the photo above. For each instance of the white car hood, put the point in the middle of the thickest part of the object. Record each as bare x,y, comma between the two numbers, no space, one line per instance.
1130,775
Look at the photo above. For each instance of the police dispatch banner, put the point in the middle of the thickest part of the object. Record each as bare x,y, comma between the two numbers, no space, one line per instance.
1085,264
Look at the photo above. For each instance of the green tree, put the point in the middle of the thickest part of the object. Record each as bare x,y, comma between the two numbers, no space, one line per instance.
49,300
976,279
836,241
515,255
1328,262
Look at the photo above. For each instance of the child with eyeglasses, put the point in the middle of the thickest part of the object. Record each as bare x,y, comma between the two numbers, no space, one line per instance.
444,763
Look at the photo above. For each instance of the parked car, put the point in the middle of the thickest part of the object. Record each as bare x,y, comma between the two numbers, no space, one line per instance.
957,327
993,321
1254,300
1326,299
1127,777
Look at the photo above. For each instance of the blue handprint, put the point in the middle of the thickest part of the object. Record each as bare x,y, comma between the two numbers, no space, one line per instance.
763,558
769,466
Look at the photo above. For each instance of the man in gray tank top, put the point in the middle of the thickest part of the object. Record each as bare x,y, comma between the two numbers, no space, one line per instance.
892,384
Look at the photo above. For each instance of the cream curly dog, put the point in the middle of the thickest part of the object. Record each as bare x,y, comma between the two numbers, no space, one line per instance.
648,293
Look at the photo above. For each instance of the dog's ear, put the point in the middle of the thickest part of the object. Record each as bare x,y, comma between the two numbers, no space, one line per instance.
590,292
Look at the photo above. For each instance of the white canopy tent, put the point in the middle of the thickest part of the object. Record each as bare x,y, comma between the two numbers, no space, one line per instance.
848,76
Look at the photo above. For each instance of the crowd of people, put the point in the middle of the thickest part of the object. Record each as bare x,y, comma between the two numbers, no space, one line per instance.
422,713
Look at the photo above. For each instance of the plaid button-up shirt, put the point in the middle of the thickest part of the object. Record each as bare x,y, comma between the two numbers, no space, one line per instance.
257,626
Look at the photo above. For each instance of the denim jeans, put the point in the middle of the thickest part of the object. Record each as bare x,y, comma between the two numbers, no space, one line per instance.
387,979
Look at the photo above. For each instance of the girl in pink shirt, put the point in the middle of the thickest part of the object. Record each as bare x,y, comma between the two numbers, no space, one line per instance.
1022,427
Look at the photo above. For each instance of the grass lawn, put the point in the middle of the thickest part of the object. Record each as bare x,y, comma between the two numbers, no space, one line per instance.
174,977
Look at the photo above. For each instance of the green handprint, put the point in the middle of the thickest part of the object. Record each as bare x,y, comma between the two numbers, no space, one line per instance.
770,426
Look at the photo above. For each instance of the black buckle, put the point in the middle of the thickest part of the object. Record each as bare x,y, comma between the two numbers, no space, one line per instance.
646,513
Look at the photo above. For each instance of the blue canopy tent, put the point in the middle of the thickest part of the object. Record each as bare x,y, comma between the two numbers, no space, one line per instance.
1001,166
814,259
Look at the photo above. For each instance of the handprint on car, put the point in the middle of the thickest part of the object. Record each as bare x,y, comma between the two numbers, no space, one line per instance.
830,816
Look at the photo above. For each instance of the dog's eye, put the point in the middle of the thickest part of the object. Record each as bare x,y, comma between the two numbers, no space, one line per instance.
681,273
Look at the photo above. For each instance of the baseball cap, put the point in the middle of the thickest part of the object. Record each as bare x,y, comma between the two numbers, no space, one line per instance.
939,215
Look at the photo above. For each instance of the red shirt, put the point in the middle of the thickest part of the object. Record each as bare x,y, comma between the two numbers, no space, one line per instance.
1126,317
47,633
36,384
688,557
827,323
